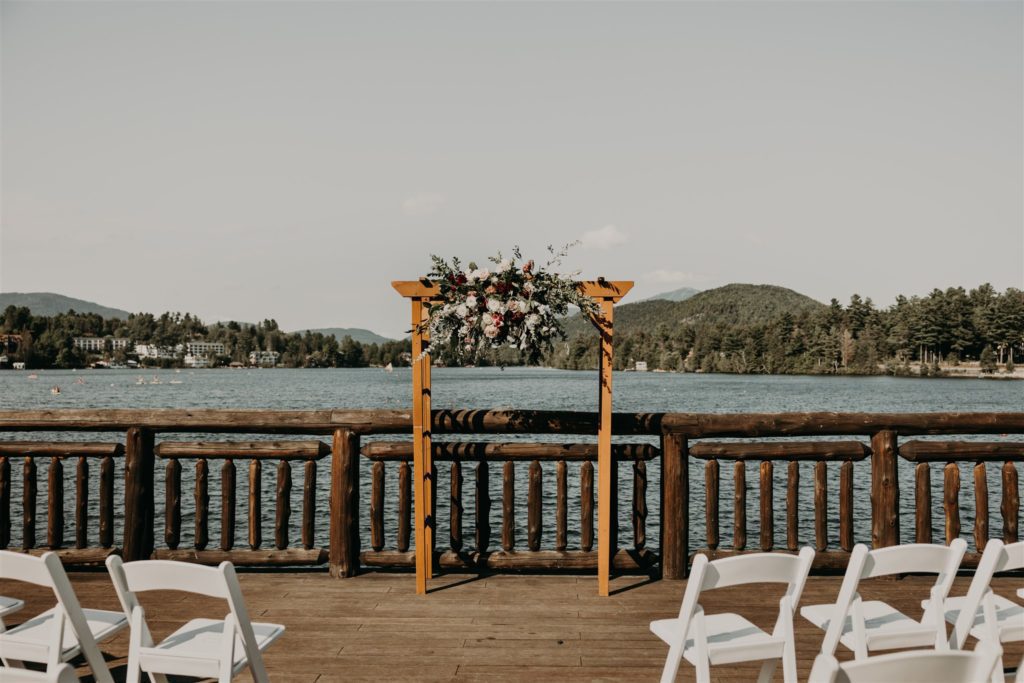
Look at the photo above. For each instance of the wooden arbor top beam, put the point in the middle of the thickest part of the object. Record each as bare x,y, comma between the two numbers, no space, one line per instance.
596,289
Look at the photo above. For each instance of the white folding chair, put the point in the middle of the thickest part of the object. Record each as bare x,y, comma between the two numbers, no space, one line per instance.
863,626
981,613
9,606
218,648
910,667
64,631
706,639
62,674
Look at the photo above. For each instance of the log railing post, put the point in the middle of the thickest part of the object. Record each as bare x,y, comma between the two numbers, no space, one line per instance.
138,494
885,490
1010,506
344,531
675,506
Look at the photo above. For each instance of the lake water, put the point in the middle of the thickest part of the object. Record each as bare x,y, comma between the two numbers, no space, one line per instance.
532,388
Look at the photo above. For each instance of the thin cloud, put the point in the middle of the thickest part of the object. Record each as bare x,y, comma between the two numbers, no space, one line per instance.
604,238
423,204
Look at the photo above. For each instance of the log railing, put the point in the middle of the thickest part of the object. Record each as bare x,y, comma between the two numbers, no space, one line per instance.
254,453
476,459
139,484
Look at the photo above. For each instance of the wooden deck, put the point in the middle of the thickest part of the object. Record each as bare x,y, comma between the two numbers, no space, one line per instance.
505,627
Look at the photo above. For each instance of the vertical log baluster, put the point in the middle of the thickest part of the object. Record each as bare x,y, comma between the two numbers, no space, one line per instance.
256,504
82,503
508,507
792,506
107,502
202,504
284,504
711,502
980,507
534,506
640,504
846,506
228,501
404,506
455,507
1010,506
767,506
675,506
28,497
885,490
55,511
172,503
951,501
561,505
820,506
587,506
5,502
739,496
483,507
923,503
377,507
309,505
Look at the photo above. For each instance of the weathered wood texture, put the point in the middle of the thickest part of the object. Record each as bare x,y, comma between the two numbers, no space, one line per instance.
885,490
1010,506
344,546
504,627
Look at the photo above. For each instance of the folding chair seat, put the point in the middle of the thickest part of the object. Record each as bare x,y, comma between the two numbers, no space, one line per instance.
710,639
864,626
218,648
9,606
910,667
61,633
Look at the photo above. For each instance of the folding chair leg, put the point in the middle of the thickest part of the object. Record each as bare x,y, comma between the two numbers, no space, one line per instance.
789,663
703,670
767,671
675,656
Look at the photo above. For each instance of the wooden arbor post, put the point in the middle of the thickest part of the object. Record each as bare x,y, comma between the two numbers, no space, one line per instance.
420,293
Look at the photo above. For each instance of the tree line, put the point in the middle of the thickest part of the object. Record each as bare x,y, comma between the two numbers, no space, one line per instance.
48,341
947,326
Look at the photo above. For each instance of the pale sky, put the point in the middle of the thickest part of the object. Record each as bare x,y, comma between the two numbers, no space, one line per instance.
246,160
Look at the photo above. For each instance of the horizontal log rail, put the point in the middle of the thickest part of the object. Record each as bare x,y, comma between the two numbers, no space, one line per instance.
782,450
268,450
521,472
476,451
978,451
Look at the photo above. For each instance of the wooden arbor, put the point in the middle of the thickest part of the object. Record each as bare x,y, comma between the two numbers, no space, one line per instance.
420,292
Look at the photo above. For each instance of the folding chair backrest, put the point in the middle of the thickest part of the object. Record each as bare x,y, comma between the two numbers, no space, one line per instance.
991,559
24,567
847,593
925,558
1013,558
150,575
927,666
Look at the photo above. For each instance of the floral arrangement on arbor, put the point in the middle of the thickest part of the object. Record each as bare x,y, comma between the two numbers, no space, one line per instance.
510,305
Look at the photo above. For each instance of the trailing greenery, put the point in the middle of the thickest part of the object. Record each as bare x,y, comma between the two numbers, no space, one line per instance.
48,341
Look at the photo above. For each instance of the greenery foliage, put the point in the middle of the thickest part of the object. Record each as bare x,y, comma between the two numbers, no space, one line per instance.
48,341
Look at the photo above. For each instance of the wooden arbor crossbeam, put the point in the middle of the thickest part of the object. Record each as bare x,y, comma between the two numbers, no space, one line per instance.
420,292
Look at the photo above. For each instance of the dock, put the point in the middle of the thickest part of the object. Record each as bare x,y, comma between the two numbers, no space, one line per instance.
509,627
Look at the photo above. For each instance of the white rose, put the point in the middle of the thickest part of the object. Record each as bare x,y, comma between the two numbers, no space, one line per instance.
483,274
529,288
486,319
471,301
503,266
462,310
491,331
472,275
494,306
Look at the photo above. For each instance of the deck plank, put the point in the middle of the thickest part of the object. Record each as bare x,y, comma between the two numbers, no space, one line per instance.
506,627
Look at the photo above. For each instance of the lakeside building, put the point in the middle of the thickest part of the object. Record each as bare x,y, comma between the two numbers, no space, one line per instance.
641,366
153,351
204,348
264,359
100,344
197,361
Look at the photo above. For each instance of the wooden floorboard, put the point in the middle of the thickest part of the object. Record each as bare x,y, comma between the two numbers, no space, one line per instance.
469,628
